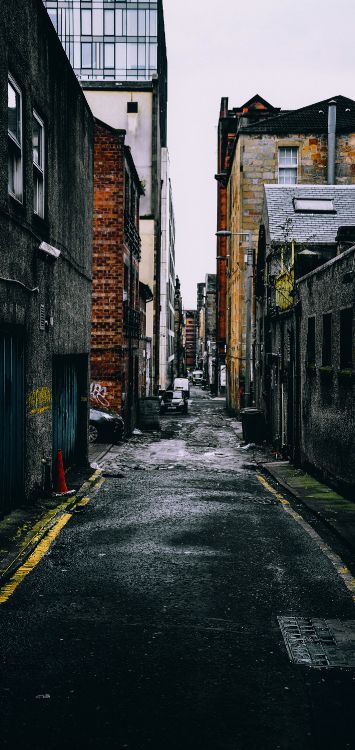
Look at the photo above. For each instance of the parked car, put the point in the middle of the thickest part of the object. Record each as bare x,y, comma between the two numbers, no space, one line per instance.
175,401
166,398
105,426
197,377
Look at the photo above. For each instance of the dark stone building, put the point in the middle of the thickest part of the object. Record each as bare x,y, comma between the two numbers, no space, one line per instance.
116,313
46,144
304,360
326,298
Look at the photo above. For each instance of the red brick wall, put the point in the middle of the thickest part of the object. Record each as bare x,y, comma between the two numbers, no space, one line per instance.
107,270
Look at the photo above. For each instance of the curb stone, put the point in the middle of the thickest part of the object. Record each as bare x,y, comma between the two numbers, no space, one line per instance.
12,561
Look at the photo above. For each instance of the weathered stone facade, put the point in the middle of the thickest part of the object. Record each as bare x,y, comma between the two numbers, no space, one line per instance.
327,392
253,163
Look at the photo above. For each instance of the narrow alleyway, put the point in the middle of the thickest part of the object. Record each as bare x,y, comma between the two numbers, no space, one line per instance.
152,622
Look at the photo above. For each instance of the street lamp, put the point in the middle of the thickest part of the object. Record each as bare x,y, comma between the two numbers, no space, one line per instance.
249,235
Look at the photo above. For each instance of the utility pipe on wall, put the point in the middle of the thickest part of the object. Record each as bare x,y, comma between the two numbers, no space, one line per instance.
250,263
332,123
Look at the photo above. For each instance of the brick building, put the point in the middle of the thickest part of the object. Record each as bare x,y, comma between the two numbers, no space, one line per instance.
190,338
271,146
179,351
116,312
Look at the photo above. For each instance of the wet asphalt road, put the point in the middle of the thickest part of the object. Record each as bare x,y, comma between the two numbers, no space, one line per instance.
152,621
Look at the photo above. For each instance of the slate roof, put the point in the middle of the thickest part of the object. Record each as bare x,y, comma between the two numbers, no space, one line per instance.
310,119
308,228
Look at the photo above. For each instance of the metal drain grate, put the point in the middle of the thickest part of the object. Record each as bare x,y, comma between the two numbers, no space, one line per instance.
319,643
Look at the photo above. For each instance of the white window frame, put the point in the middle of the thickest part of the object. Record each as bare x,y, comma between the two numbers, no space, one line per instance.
39,171
15,153
288,166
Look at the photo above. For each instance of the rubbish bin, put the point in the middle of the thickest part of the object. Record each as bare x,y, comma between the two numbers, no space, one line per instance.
149,413
253,424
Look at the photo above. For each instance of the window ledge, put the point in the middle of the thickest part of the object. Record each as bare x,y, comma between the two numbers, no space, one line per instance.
18,201
346,373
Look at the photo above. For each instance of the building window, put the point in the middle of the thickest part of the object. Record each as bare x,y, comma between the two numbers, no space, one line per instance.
38,165
86,26
311,341
109,55
327,340
109,22
288,163
14,120
52,12
86,55
346,339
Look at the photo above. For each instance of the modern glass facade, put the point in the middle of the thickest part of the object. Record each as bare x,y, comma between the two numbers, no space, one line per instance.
110,39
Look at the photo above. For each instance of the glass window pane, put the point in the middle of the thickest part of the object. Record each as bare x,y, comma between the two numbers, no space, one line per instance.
37,145
109,22
121,56
86,55
131,55
119,21
53,16
141,56
97,22
153,30
288,176
86,22
109,55
132,23
141,23
38,202
13,111
153,56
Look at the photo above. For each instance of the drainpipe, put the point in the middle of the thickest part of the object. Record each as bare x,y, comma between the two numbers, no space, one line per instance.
248,342
332,121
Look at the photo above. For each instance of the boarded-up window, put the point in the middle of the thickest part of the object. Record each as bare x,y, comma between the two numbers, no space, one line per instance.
311,341
346,338
327,340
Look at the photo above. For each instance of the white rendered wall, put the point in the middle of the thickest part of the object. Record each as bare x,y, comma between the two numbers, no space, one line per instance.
167,276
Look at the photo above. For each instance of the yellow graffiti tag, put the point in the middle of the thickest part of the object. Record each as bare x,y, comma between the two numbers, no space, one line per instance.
39,400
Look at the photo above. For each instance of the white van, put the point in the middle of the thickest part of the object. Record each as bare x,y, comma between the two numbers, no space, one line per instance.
197,377
182,384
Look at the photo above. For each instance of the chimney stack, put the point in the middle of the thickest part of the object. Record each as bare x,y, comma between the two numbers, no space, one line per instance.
332,124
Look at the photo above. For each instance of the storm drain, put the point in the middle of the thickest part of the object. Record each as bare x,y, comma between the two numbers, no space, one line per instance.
319,643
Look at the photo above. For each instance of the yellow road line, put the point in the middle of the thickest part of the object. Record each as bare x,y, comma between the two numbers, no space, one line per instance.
8,589
336,561
84,501
45,542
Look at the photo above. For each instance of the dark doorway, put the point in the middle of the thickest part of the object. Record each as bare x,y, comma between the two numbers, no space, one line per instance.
12,420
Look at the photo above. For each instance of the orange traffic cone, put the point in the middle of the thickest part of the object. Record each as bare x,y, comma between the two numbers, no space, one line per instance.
62,488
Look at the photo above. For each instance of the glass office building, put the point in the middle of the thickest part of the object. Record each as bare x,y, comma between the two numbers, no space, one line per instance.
120,40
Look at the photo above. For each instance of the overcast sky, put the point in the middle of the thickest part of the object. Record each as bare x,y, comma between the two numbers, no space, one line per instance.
291,53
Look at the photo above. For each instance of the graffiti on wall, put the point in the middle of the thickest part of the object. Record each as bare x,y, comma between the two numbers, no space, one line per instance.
98,394
39,400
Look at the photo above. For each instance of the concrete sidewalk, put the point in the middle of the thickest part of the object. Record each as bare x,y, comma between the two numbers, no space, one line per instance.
336,510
